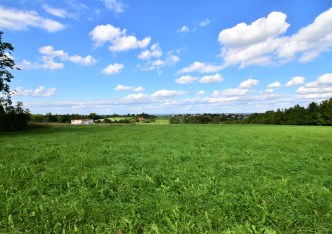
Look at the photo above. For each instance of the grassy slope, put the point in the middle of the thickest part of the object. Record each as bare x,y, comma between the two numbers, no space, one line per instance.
167,178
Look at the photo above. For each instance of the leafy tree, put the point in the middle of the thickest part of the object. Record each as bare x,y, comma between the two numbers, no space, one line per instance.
326,111
106,120
11,118
6,62
314,117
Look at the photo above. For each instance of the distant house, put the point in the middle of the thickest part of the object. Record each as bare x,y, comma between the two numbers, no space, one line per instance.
140,118
82,121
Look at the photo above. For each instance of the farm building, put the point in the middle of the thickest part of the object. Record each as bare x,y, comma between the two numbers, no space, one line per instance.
82,121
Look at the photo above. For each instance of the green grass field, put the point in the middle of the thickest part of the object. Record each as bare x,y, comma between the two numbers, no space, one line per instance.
167,179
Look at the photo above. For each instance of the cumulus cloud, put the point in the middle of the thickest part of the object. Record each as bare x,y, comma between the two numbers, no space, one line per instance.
154,52
233,94
311,40
185,80
172,59
129,88
115,5
263,43
157,64
113,69
200,67
211,79
296,80
274,85
18,20
47,63
117,38
247,84
201,92
319,89
136,97
48,56
164,93
243,35
38,92
251,44
269,90
230,92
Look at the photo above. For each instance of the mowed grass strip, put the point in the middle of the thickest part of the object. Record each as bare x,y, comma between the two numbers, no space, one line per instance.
167,179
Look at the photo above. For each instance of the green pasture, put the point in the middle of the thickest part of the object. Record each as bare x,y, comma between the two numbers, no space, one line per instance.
118,118
162,120
166,179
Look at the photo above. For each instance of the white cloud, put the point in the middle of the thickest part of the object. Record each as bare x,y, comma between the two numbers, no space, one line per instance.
167,93
118,39
274,85
38,92
49,54
269,90
172,59
251,44
128,43
262,42
296,80
88,60
183,29
154,52
113,69
115,5
247,84
200,67
138,89
157,64
129,88
319,89
136,97
211,79
230,92
243,35
49,64
310,40
185,80
18,20
201,92
204,23
56,11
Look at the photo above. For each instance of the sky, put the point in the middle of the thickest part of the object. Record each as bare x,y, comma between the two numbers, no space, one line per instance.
167,57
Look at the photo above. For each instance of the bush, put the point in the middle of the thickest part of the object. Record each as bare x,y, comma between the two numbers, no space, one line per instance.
14,119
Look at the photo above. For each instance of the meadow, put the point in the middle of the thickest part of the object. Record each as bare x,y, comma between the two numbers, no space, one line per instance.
158,178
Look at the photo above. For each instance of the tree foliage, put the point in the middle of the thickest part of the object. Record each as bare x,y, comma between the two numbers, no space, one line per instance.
206,118
6,62
314,114
11,117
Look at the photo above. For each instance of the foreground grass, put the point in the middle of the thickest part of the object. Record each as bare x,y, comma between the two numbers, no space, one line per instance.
167,179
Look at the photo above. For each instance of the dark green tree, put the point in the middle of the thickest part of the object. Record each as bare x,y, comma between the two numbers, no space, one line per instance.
11,118
326,111
6,63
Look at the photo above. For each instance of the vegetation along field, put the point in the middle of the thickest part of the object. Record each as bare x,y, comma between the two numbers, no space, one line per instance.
167,179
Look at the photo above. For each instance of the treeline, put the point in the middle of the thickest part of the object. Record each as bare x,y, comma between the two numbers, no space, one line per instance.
62,118
67,118
206,118
313,114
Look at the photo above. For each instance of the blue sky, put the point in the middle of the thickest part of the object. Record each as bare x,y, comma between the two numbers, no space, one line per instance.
175,56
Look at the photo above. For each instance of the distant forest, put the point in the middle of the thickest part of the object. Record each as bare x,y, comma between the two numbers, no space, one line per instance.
66,118
314,114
